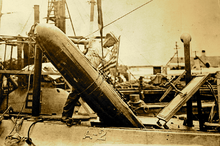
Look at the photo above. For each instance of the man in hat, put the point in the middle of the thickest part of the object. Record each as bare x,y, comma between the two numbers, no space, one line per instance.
94,56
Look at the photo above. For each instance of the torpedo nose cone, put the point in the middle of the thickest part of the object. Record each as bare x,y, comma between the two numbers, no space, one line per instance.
81,75
45,31
49,37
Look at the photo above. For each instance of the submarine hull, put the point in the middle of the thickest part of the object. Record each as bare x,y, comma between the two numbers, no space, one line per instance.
79,72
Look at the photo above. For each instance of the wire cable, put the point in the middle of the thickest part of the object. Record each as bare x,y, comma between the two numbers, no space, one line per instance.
79,11
122,16
128,69
26,21
70,19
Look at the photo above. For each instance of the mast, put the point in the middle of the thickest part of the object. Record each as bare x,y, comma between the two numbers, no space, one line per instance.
37,71
61,22
177,56
56,13
91,37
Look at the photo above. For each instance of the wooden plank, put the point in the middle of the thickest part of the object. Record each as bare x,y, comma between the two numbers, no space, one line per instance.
146,91
169,111
22,72
171,87
211,124
218,92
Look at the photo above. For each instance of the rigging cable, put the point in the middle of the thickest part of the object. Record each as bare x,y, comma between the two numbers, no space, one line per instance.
171,59
144,57
128,69
122,16
137,49
79,11
26,21
70,19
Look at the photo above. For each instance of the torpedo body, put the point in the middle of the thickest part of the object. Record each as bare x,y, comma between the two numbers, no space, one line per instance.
78,71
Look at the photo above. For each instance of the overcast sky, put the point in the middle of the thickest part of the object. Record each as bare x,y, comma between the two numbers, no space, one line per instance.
148,35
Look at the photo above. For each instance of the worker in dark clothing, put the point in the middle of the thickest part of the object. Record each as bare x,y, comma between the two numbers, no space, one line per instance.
94,56
71,102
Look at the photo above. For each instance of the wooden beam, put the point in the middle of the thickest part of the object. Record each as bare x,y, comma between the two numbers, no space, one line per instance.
170,110
186,38
22,72
37,71
218,89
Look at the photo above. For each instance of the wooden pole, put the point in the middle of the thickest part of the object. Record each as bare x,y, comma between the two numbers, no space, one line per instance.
91,37
26,54
218,89
61,22
11,57
71,20
186,38
5,55
116,67
19,53
199,107
19,57
37,71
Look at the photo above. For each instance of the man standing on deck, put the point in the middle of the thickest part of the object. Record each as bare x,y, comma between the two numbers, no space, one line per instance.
95,57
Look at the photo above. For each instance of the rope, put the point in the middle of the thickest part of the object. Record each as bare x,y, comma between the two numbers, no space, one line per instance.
29,78
97,87
89,86
28,139
29,129
212,91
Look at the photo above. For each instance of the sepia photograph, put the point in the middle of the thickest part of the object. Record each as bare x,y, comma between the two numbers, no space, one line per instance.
109,72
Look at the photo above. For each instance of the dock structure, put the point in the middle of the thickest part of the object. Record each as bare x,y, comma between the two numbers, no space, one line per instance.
44,133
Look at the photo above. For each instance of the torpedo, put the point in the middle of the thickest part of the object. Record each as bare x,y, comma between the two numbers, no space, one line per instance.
79,72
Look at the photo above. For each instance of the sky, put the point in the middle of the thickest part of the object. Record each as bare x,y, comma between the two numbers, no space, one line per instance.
148,35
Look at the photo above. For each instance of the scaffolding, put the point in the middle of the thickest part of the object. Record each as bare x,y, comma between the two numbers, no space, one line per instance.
56,13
